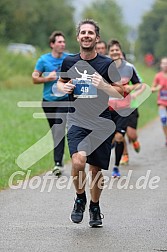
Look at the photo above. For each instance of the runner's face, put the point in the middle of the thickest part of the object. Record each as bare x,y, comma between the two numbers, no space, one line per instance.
115,52
59,44
101,48
164,65
87,37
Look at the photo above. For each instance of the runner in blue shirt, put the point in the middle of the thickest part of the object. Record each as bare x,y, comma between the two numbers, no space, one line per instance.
46,72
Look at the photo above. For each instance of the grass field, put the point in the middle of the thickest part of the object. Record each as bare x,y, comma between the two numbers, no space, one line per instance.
148,110
19,130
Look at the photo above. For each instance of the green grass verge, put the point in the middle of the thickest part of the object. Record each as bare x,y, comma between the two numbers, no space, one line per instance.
19,130
148,110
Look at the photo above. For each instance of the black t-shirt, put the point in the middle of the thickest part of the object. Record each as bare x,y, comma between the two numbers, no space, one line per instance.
88,109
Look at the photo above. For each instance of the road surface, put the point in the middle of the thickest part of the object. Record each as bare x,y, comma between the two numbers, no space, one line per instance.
135,218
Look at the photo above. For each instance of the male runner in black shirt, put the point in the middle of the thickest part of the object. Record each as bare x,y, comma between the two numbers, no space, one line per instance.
88,83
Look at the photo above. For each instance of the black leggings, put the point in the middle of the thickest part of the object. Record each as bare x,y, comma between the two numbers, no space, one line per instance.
57,124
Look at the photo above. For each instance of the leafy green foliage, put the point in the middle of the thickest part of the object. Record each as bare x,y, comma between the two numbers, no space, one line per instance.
160,46
32,22
152,31
109,17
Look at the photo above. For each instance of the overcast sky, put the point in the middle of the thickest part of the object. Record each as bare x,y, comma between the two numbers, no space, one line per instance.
133,10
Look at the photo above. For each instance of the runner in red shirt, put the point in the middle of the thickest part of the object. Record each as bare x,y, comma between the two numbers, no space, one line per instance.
160,85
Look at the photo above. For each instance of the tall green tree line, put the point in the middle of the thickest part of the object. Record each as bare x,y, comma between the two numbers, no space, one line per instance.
32,21
109,16
152,31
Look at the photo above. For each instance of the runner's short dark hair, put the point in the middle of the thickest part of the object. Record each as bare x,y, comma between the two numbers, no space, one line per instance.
55,34
114,42
102,41
88,21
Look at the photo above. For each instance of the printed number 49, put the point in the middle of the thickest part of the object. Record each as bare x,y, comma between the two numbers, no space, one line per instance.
85,89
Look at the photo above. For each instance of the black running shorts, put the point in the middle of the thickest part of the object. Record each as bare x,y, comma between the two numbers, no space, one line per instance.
133,119
121,122
100,156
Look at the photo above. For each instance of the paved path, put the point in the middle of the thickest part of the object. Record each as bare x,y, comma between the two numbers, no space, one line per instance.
135,219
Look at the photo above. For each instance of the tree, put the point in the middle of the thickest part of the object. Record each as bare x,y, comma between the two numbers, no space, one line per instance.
152,31
33,21
109,17
160,46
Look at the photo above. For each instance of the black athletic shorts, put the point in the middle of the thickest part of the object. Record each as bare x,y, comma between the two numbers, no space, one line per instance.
121,122
133,119
100,156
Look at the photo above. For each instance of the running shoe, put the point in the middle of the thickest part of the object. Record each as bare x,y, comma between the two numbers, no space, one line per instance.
58,169
116,173
136,146
78,210
124,159
95,217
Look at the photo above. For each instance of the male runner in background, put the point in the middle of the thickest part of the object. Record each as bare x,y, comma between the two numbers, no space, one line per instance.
46,69
101,47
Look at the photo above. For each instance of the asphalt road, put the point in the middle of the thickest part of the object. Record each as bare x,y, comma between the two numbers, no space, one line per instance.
135,218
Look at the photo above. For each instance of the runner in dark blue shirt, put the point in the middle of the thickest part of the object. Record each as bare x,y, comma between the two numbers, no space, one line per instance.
87,78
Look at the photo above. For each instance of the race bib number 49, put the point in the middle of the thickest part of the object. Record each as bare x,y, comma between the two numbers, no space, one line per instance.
84,89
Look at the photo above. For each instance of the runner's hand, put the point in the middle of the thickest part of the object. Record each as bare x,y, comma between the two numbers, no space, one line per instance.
69,87
127,88
157,88
51,76
97,81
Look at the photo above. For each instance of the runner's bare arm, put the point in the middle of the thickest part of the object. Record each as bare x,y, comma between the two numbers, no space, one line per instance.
39,79
129,88
138,90
112,90
155,86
